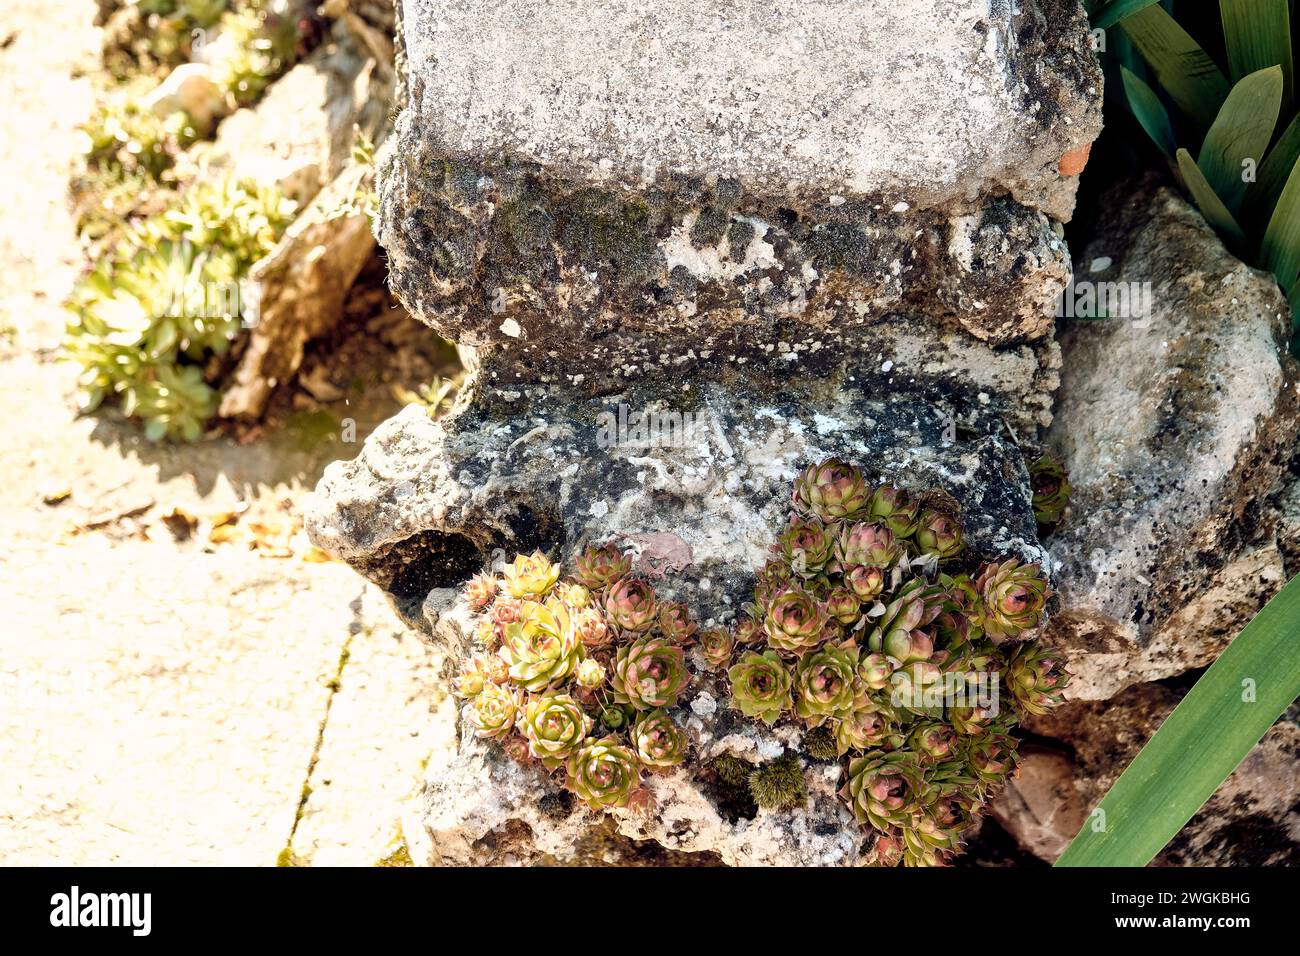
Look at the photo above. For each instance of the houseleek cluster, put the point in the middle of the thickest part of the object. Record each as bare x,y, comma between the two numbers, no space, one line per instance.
580,675
906,661
869,628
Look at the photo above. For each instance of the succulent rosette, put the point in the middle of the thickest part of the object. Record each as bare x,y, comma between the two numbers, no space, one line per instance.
826,684
574,596
469,680
894,508
831,490
884,789
938,534
591,674
480,591
599,567
592,630
794,621
1036,677
555,726
603,773
630,604
530,575
947,812
874,671
990,757
760,685
542,647
1013,598
649,673
863,729
932,741
867,584
885,848
1051,489
843,606
613,717
748,630
676,623
872,545
899,631
807,546
494,711
716,647
659,742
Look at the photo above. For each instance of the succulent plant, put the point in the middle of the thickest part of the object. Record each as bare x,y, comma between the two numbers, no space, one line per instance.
867,584
1036,677
826,684
649,673
1051,489
716,647
542,647
748,630
807,546
760,685
469,680
990,757
1013,598
676,623
899,633
480,591
659,742
555,726
575,596
843,605
863,543
630,604
938,534
947,811
885,848
591,674
613,717
932,740
874,671
494,711
896,509
831,490
530,576
795,621
591,627
884,789
604,773
779,784
864,728
599,567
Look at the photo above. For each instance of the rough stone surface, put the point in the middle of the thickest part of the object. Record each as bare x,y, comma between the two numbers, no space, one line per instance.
296,293
1175,428
426,503
917,99
1252,820
300,134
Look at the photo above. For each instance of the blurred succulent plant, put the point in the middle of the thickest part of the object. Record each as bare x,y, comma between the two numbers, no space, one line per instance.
1051,489
530,576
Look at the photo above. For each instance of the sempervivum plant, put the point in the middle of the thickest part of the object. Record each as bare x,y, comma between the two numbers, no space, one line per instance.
658,740
648,673
875,635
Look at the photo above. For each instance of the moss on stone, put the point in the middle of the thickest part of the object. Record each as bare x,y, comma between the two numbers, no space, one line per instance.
779,784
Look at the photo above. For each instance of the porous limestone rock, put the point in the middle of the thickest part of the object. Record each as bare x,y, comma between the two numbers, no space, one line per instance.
689,248
1253,819
1175,424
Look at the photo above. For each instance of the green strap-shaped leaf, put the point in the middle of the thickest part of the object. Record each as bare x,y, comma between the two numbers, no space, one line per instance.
1150,112
1117,10
1208,202
1241,134
1280,250
1185,70
1209,733
1262,196
1257,34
